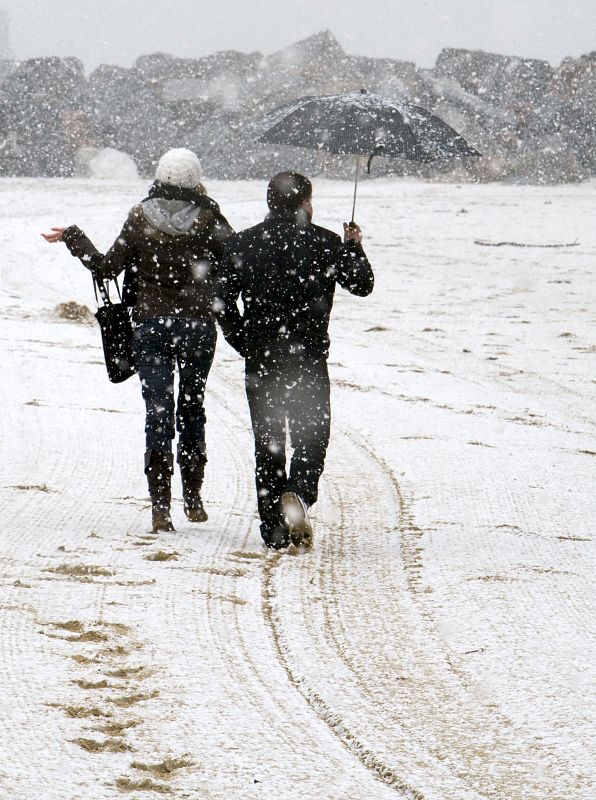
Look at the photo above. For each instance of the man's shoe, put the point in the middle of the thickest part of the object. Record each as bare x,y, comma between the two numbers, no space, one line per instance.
276,537
296,517
195,510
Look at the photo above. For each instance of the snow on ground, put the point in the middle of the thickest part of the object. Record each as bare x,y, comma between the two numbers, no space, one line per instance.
435,644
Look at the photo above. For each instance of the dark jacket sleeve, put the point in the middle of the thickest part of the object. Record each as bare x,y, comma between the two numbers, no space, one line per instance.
102,266
353,270
228,285
220,234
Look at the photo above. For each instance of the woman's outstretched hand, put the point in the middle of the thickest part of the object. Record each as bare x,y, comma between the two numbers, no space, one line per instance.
55,236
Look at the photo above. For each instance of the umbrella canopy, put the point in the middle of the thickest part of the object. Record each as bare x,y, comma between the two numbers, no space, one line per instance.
360,123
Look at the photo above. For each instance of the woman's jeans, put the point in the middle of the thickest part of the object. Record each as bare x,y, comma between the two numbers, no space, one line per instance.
161,343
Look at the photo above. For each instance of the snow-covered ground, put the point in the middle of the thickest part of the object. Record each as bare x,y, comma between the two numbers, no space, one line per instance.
437,643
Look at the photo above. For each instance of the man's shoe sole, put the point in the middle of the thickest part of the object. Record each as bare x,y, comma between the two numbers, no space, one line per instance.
196,514
296,515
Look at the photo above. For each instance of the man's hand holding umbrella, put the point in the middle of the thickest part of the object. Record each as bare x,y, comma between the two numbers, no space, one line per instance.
352,232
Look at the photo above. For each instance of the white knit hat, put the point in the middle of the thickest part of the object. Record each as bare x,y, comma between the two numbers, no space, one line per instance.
179,167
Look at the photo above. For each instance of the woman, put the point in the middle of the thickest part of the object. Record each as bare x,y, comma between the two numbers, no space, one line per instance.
169,247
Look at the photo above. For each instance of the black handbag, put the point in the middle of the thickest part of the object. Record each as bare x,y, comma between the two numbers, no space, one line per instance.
116,333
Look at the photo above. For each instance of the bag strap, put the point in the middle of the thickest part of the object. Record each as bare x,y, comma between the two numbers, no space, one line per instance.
103,287
118,290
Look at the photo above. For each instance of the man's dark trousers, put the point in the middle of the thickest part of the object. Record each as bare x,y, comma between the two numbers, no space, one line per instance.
281,386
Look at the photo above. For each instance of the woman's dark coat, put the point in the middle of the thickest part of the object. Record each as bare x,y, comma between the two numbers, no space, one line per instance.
169,247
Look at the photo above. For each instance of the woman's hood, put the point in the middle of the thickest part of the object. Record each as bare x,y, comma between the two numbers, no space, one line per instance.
174,217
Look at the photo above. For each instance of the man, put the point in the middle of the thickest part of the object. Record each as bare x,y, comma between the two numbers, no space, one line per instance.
285,270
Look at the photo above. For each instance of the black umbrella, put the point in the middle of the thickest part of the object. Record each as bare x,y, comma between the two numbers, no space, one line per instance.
360,124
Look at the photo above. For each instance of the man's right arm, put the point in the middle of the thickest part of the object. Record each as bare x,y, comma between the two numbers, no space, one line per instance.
353,271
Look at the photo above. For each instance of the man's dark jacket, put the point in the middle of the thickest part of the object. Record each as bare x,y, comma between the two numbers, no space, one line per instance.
285,270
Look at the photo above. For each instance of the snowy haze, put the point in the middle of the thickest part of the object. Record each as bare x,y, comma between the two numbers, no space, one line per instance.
116,32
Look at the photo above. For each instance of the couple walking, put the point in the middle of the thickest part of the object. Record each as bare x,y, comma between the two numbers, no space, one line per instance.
185,268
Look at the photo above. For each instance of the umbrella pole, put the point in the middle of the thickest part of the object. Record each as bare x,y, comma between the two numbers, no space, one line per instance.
355,189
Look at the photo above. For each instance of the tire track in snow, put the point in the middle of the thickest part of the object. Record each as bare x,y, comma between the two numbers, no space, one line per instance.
437,733
334,720
342,721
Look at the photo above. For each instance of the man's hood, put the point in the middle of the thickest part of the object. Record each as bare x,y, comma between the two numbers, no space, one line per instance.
174,217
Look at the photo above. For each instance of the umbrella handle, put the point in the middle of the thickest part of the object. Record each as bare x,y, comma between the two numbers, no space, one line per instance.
377,151
352,223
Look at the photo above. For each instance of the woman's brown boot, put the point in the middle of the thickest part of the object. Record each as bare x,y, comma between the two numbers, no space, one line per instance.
158,468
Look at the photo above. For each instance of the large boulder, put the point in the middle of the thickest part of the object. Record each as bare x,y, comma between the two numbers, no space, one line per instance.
495,77
104,163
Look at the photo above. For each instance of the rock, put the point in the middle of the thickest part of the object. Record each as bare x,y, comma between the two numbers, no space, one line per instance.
38,96
129,116
105,163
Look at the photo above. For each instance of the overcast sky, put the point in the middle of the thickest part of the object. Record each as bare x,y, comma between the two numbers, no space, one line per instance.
117,31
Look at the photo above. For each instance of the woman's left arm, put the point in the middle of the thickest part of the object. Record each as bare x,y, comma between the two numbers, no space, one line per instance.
80,246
